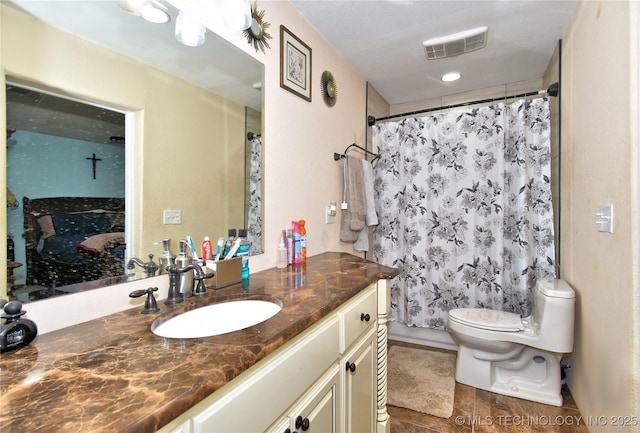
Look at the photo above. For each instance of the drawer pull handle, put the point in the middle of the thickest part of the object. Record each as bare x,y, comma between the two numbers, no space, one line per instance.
351,366
304,423
365,317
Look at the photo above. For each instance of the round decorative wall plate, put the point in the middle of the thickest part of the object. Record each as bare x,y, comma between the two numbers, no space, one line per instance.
328,88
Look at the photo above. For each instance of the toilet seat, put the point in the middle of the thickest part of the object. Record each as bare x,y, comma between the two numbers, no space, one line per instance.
490,320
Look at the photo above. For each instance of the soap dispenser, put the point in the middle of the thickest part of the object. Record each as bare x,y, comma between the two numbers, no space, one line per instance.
186,278
167,258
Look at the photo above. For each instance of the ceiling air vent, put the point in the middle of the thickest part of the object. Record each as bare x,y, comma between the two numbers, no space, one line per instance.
456,44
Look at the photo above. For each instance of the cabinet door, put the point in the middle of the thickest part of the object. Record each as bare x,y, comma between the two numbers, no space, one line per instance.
317,410
359,370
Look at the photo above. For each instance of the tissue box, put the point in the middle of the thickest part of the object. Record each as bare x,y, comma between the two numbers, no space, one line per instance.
226,272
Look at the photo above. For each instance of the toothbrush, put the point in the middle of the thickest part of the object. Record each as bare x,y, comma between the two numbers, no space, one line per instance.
219,248
234,248
193,247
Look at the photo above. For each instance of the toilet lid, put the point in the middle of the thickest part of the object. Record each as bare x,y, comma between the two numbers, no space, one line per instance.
484,318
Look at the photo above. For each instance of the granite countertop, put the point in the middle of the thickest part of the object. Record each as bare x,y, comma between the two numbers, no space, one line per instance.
113,374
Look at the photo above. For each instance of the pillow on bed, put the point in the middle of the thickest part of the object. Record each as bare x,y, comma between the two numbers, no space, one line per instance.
97,243
87,223
46,226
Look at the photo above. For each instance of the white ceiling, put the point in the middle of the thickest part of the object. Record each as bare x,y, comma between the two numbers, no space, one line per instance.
383,41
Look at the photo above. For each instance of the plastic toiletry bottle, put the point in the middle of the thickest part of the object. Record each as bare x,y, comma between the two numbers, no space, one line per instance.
245,266
303,240
282,251
229,243
186,278
243,251
207,249
245,244
297,251
289,247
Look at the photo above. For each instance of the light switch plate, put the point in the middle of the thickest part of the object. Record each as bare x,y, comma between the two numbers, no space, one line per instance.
172,216
604,218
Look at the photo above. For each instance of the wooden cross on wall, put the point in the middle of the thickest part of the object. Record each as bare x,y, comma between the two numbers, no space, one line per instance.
94,161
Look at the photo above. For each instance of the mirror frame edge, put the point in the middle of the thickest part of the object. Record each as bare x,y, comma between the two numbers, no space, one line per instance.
4,273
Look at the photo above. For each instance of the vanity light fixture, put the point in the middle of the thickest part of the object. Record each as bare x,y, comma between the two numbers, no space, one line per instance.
151,10
189,29
451,76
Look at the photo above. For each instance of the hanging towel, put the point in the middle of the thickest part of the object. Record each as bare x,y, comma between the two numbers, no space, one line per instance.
371,218
353,218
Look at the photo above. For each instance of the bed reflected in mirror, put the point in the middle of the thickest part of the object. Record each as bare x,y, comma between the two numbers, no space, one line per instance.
66,175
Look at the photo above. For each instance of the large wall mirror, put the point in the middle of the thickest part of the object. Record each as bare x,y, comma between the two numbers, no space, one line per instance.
110,123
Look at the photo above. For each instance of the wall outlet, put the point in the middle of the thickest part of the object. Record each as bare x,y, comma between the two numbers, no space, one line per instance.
330,213
604,218
172,216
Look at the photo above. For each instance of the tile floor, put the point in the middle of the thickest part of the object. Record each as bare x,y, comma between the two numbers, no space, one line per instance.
479,411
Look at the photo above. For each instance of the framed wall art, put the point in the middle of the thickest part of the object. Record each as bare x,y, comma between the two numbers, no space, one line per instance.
295,64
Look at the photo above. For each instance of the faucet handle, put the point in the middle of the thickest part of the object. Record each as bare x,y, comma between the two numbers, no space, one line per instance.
150,305
201,288
151,266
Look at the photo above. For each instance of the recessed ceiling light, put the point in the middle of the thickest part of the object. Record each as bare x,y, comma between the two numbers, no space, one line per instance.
451,76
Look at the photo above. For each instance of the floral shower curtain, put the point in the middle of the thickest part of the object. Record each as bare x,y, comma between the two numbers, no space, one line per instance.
254,217
464,203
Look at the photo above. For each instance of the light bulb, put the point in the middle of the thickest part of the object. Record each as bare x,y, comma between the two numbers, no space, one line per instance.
189,30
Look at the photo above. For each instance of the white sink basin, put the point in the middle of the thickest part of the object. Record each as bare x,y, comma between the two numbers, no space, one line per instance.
217,319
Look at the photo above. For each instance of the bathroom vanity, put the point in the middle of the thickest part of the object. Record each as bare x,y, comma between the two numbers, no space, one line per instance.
318,365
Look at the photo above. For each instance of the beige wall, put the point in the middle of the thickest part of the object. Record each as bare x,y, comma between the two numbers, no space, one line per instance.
599,166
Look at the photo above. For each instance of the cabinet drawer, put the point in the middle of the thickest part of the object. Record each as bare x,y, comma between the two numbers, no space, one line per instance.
354,316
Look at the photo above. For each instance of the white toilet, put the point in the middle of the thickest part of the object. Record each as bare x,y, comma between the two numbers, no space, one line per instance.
504,353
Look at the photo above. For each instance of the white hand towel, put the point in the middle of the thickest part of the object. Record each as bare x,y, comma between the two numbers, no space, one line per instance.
353,218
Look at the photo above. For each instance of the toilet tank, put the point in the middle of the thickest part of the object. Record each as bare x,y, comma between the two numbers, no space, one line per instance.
554,315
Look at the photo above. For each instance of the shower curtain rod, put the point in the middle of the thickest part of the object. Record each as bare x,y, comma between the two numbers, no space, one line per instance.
551,91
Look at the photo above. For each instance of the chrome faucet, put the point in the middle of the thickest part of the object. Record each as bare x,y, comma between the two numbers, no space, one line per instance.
149,267
174,295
